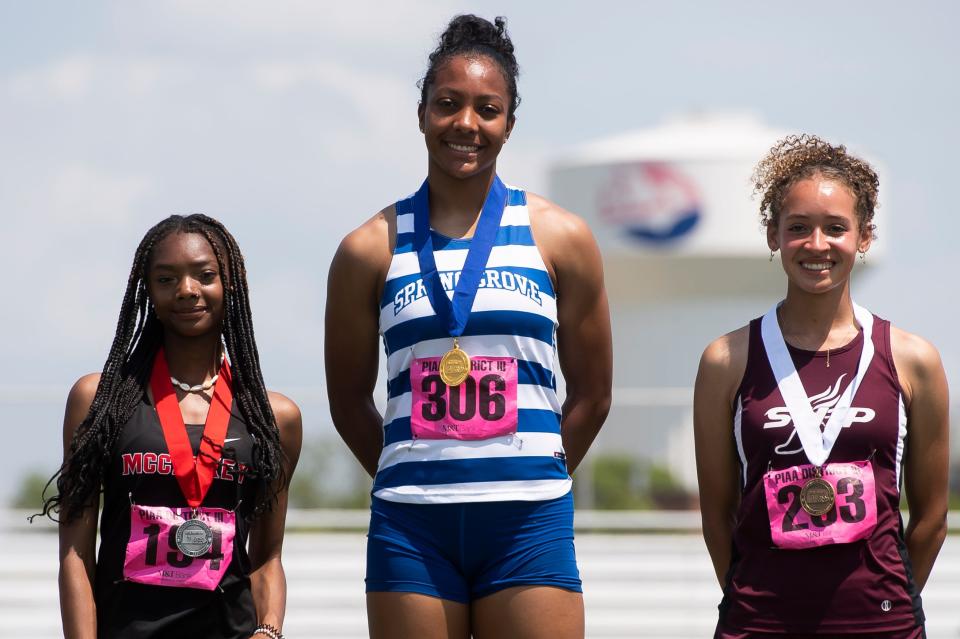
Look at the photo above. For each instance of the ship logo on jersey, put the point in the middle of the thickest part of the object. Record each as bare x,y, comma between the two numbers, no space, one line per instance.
501,279
822,405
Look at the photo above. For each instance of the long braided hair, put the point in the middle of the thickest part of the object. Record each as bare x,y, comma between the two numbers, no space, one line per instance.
126,375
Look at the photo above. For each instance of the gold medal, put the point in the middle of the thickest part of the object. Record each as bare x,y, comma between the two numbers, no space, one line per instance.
817,496
454,365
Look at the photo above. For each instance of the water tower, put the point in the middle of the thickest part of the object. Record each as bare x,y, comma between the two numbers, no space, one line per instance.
685,260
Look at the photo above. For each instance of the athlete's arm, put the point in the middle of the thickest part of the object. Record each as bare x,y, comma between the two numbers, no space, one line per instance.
721,369
351,348
267,579
584,343
78,538
927,450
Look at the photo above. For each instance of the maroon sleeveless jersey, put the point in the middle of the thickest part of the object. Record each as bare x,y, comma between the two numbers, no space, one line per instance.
860,587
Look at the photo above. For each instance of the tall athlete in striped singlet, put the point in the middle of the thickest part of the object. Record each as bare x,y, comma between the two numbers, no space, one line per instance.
811,419
474,287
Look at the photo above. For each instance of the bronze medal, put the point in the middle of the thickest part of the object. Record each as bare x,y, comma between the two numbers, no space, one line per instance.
194,538
817,496
454,365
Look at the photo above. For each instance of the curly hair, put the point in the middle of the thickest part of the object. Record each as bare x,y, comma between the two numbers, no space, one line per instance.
126,375
798,157
470,35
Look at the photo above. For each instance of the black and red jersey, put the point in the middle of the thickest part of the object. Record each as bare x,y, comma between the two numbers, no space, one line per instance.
141,472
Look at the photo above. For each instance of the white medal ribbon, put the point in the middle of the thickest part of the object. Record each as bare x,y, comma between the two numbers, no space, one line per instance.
816,445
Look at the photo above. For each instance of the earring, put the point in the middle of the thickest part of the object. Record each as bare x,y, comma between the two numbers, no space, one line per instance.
863,257
771,255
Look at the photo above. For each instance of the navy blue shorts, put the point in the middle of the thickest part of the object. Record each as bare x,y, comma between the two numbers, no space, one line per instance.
466,551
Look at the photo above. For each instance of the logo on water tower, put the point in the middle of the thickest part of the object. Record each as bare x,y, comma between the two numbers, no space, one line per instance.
651,201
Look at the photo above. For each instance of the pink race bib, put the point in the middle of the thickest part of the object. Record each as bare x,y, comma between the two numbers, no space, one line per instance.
853,516
152,556
483,406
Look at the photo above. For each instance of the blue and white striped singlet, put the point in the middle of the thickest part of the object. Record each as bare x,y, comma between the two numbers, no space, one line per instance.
514,315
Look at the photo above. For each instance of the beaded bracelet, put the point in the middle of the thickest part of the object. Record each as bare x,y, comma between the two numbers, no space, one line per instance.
272,632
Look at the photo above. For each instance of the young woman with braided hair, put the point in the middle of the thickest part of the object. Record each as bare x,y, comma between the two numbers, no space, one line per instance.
475,287
809,420
190,451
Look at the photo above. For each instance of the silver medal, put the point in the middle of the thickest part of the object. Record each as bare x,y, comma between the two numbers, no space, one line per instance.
194,538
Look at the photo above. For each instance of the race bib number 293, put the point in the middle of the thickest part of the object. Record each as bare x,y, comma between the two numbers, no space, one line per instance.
152,556
852,517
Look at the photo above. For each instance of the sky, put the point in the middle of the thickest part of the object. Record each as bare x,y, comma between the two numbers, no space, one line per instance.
293,121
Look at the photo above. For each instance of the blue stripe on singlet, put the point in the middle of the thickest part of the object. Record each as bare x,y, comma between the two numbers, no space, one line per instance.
529,420
536,276
502,322
506,236
515,197
457,471
527,373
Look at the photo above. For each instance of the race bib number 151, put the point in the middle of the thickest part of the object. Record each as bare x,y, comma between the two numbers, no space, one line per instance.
152,556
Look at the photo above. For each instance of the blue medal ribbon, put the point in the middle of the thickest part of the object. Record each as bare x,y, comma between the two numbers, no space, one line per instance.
455,313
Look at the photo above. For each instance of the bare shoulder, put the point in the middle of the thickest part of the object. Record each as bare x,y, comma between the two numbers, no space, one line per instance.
83,390
566,244
728,350
372,240
724,361
285,410
362,260
290,425
916,359
554,223
79,400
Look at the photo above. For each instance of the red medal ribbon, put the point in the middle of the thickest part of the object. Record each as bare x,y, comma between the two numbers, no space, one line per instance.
194,475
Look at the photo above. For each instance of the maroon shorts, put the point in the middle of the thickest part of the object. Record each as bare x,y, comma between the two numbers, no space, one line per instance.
726,633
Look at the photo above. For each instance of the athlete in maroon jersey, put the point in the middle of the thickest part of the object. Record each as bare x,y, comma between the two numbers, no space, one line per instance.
809,420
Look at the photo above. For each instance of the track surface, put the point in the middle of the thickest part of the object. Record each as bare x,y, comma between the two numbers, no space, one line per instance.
650,585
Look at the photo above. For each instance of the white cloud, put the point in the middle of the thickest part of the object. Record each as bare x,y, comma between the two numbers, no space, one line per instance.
279,76
364,19
372,94
88,195
80,303
144,76
79,77
68,79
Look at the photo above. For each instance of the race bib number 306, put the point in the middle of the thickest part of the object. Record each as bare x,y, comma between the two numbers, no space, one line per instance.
852,517
152,556
483,406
